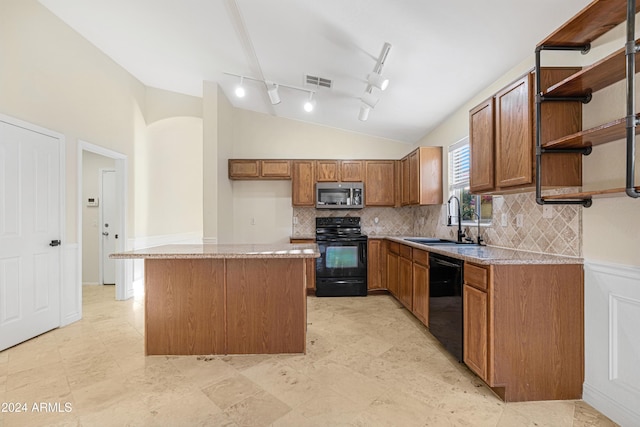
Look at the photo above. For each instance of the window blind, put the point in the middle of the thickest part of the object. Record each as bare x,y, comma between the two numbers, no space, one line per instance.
459,165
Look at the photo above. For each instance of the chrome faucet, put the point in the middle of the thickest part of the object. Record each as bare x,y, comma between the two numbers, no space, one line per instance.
460,233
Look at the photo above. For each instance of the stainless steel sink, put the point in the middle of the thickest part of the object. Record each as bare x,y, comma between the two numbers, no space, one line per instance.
428,241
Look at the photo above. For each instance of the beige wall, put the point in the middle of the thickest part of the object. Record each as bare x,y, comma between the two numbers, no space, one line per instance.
52,77
168,178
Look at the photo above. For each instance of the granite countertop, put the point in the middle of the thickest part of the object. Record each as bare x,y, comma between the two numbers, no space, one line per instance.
283,250
490,254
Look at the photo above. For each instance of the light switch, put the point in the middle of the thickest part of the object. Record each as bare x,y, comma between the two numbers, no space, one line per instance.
519,220
504,221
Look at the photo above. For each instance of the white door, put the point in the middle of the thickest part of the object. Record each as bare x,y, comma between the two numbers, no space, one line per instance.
109,228
30,234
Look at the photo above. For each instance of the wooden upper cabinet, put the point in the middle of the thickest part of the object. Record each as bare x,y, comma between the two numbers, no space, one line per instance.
259,169
514,136
379,183
405,174
327,170
303,183
339,170
244,169
351,170
422,177
278,169
481,140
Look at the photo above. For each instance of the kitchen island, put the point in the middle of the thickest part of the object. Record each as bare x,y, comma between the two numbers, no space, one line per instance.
224,299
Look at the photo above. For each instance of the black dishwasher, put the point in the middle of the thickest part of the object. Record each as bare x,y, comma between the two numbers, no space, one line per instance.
445,301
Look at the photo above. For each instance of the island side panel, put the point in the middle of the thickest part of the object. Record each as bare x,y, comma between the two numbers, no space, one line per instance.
266,306
539,344
184,306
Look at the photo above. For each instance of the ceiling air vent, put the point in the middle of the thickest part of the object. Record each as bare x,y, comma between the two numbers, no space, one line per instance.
317,81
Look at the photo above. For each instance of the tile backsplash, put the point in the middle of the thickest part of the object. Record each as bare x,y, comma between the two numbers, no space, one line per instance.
557,233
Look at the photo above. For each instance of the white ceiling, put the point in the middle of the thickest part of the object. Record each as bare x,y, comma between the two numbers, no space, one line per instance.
442,52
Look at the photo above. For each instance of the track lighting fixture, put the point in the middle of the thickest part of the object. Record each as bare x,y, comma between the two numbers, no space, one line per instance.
273,91
240,92
374,80
273,94
310,104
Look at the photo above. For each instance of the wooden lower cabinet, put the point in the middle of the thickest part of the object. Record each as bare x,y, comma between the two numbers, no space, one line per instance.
421,285
376,262
405,277
393,258
524,329
475,307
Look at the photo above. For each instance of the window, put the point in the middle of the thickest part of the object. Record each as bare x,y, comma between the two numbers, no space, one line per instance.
470,204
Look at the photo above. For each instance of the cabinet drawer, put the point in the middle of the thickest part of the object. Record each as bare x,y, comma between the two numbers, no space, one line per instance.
394,248
421,257
405,251
476,276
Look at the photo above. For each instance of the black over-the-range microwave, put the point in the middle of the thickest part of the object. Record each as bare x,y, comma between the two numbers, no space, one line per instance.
339,195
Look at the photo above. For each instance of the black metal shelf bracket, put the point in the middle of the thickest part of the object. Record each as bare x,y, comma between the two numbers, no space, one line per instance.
586,202
585,151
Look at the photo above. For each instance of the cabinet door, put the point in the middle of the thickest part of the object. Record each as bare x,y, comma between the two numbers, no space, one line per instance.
481,144
244,169
414,178
514,136
404,186
327,170
405,282
303,183
421,292
379,186
280,169
375,264
352,171
428,176
475,330
392,273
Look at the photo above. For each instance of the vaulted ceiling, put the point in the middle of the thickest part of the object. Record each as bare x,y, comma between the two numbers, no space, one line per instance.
442,52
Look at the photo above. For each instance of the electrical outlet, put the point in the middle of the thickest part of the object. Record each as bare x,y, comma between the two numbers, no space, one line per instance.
295,220
519,220
547,211
504,221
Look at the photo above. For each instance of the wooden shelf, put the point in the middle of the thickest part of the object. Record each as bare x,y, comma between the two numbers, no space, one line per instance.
602,134
591,79
587,194
590,23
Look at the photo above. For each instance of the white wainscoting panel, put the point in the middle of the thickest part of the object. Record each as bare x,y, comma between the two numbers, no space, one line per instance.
71,289
612,341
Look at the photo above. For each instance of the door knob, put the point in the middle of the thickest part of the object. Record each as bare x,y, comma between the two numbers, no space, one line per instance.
55,243
105,233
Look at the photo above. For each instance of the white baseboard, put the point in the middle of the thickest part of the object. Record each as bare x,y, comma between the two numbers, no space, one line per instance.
210,240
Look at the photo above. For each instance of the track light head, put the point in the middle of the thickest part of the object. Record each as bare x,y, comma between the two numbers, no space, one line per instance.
240,92
273,94
310,104
364,112
369,100
377,81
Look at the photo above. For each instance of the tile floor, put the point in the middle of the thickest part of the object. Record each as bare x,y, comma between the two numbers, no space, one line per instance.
369,363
